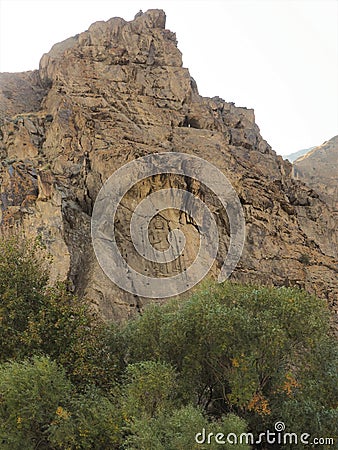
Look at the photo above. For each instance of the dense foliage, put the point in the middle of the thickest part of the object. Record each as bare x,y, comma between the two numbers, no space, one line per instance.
229,359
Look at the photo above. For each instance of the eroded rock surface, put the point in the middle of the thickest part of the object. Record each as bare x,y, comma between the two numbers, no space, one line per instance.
117,92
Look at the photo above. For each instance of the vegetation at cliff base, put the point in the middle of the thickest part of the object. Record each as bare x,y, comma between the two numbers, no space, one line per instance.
231,358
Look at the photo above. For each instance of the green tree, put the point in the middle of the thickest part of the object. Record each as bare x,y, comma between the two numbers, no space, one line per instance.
41,409
247,350
149,389
311,406
94,423
179,429
23,278
31,394
155,420
230,354
37,318
68,331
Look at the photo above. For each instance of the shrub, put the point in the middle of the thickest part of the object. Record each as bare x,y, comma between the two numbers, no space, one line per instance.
36,318
31,394
148,390
244,349
40,409
178,430
95,423
23,278
304,259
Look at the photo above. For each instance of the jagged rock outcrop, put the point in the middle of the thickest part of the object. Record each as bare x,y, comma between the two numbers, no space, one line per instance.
117,92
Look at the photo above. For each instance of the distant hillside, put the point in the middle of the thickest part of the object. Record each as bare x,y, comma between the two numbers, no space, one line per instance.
293,156
319,169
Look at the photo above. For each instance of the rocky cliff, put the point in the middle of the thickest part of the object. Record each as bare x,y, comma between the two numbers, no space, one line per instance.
114,93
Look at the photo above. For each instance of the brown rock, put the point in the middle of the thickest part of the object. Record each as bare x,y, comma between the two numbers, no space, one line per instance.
117,92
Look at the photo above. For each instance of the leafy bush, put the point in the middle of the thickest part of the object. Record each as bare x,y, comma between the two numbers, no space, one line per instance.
40,409
31,394
228,356
23,278
153,421
95,423
244,349
179,429
36,318
148,390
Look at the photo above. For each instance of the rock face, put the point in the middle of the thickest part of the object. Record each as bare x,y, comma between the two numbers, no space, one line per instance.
20,92
318,168
117,92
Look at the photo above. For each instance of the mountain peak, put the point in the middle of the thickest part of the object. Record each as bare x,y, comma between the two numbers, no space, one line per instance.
143,40
118,92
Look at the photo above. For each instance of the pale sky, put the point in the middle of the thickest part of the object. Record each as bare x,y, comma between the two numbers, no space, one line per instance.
279,57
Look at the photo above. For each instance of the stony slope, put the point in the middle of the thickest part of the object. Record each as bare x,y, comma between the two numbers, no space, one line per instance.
116,92
293,156
319,169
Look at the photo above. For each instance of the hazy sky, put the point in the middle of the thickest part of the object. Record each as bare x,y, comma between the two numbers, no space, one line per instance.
279,57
